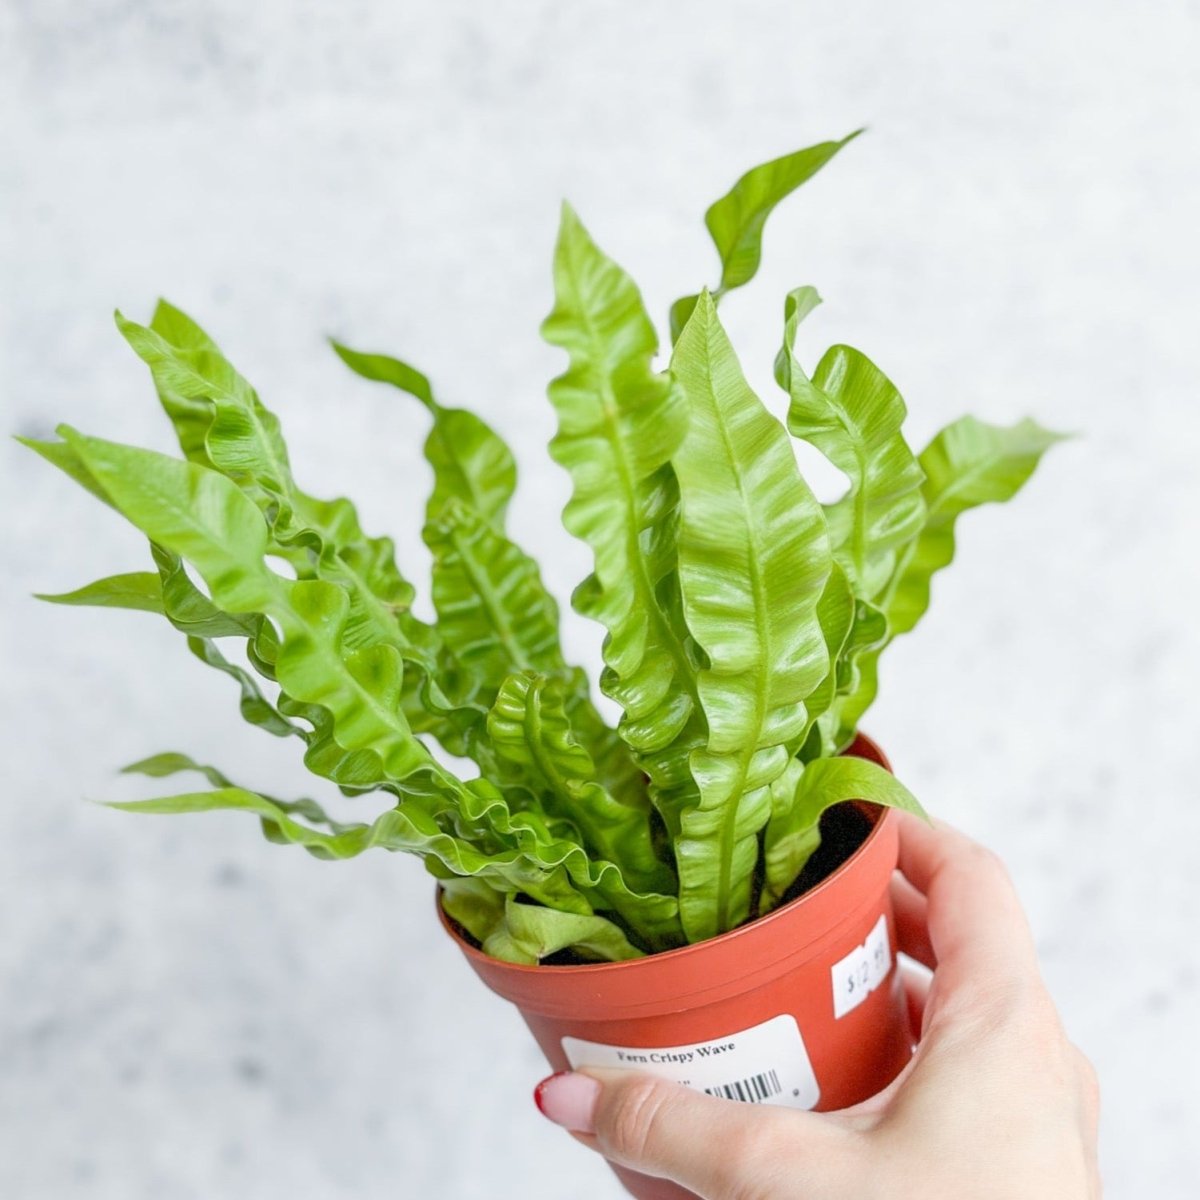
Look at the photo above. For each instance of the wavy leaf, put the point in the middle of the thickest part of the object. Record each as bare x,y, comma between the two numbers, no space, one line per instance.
474,469
63,456
202,516
190,412
530,730
496,617
470,461
851,412
319,538
835,613
794,831
189,609
253,705
243,440
967,464
616,766
383,368
868,631
476,906
197,513
525,934
409,828
161,766
139,590
171,762
190,510
494,613
412,828
736,221
856,663
753,561
323,539
209,401
530,932
619,422
193,613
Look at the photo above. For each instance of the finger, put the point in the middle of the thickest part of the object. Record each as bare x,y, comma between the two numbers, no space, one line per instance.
917,982
912,929
977,929
716,1148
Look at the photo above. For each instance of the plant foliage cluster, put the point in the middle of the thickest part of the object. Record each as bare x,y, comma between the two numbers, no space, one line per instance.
743,619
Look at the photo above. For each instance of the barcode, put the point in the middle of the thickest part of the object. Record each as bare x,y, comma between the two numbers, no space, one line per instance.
754,1090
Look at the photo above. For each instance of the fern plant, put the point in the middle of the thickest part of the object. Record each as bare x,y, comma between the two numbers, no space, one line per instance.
743,620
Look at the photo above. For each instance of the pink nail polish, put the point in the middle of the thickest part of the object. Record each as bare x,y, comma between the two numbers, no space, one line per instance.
568,1099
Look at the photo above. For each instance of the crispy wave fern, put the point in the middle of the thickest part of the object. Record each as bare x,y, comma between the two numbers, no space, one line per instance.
743,619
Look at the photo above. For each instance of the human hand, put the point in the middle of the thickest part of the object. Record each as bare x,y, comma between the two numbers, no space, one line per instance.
996,1103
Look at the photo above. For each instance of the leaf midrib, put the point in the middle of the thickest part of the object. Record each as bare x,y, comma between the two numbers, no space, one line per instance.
280,468
466,482
489,600
277,593
610,411
533,739
729,823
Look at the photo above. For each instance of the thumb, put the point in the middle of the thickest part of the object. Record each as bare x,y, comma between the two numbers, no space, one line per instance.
717,1148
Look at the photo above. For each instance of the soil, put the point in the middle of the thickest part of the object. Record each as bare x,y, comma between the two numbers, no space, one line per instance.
844,828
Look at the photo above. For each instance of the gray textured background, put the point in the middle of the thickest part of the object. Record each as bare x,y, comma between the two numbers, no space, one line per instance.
187,1012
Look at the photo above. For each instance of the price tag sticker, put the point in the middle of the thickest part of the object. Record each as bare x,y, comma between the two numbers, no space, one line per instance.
857,975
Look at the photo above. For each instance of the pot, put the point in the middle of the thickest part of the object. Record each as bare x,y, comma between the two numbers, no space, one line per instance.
803,1007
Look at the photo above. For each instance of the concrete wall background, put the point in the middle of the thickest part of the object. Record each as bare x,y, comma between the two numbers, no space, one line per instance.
187,1012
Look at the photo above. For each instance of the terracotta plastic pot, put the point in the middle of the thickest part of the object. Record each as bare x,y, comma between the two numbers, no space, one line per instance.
802,1007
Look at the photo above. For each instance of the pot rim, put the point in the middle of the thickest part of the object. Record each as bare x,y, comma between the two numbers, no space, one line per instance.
882,816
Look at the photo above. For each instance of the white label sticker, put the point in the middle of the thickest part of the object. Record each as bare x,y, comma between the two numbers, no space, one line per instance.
767,1064
857,975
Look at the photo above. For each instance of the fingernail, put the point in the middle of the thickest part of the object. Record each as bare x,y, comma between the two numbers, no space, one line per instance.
568,1099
